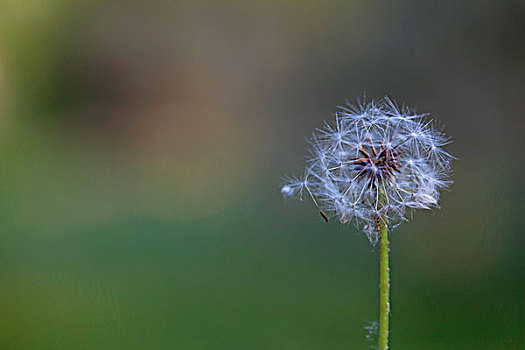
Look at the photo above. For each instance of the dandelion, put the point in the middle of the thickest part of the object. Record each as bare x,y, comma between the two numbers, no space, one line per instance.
373,166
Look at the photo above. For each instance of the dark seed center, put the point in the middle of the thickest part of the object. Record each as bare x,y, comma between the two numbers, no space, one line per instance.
378,165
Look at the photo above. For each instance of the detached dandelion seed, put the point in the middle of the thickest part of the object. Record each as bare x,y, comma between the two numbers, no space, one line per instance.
373,166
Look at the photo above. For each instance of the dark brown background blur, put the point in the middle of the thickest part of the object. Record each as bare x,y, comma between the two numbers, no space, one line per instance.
142,145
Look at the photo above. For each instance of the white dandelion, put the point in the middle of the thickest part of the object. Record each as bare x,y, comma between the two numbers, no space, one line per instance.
375,161
374,165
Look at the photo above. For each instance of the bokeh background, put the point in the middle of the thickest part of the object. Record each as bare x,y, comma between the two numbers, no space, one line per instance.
142,146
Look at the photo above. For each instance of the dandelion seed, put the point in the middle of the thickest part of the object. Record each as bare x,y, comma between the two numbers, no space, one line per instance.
287,190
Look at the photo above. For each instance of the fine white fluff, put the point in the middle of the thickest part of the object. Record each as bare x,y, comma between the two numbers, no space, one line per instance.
335,183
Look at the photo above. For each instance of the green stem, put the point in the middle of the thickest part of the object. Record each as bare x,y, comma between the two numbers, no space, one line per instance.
384,285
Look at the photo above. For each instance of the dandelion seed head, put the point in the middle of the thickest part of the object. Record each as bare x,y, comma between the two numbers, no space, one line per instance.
374,161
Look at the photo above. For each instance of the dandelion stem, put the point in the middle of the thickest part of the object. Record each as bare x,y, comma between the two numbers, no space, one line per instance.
384,281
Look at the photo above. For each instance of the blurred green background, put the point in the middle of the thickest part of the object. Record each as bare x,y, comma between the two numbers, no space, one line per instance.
142,145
